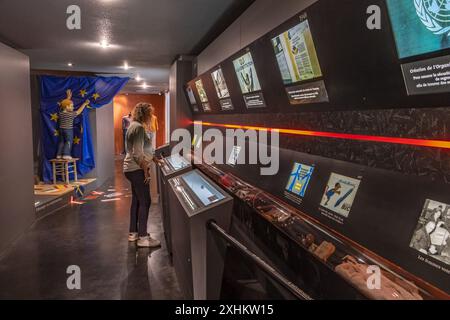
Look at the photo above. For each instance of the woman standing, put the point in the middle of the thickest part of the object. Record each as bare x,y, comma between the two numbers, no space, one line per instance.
136,167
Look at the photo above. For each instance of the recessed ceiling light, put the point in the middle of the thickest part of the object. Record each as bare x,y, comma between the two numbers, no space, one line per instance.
70,64
138,78
145,85
104,43
126,66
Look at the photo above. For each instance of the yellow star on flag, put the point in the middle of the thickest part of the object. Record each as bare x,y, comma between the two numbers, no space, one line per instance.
95,96
76,140
56,133
83,93
54,117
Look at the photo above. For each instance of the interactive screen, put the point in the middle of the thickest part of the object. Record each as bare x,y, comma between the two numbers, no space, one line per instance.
220,84
177,162
234,156
296,54
420,26
340,194
201,91
432,234
202,189
299,179
246,73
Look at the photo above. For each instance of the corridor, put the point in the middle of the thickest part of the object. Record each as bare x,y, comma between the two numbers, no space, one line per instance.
92,236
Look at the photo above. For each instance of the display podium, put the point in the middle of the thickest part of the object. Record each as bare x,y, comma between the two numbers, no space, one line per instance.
198,259
171,167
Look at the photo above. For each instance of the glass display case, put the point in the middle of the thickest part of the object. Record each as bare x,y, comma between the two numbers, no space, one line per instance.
175,163
345,258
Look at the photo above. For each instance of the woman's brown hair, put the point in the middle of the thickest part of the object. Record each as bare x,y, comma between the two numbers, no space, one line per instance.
142,112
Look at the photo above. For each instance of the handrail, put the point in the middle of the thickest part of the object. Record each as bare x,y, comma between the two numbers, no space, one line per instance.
271,272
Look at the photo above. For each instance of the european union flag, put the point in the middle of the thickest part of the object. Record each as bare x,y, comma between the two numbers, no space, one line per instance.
98,90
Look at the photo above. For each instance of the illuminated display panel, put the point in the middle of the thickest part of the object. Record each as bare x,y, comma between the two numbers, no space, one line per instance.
420,26
246,73
220,84
299,179
296,54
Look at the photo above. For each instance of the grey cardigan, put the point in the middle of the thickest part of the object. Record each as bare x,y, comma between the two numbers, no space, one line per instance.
139,148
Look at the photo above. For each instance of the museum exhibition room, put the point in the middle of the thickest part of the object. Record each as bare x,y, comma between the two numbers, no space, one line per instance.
256,151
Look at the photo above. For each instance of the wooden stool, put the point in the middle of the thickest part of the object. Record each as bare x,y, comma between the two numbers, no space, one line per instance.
64,168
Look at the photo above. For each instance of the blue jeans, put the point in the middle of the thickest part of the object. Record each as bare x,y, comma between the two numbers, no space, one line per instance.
65,142
140,202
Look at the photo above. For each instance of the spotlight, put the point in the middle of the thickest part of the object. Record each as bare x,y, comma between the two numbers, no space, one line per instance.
126,66
104,43
70,64
138,78
145,85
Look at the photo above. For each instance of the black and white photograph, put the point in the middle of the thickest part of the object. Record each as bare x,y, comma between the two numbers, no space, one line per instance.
432,235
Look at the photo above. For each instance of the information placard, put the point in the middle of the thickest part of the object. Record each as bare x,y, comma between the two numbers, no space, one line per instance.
255,100
427,76
313,92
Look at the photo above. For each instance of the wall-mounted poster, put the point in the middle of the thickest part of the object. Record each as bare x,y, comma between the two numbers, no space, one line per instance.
220,84
246,73
222,90
340,194
249,82
296,54
202,94
420,26
201,91
192,100
432,234
299,179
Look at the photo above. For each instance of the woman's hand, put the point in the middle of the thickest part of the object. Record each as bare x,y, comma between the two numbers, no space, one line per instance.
158,161
147,176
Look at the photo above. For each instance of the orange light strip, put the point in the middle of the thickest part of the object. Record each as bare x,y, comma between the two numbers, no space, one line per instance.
405,141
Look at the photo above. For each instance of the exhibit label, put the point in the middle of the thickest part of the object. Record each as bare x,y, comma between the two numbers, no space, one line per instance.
255,100
314,92
427,76
226,104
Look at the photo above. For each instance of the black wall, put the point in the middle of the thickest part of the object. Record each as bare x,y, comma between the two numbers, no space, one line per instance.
367,94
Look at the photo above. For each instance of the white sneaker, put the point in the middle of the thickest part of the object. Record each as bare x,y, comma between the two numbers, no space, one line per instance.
133,236
67,157
148,242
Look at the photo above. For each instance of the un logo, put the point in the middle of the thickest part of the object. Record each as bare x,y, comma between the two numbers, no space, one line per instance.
434,14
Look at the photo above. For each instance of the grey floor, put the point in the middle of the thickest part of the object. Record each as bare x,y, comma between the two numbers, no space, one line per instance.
92,236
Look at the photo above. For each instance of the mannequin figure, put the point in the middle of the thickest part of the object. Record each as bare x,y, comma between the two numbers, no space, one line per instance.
126,121
66,116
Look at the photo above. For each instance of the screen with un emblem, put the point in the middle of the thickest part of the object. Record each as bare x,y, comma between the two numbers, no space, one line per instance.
420,26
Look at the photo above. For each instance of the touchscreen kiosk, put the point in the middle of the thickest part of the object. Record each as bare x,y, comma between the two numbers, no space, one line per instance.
171,167
195,200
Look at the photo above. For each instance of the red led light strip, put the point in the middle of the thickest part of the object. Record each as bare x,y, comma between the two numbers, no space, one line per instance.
405,141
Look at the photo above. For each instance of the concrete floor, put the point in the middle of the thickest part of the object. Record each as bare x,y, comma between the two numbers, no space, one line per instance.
92,236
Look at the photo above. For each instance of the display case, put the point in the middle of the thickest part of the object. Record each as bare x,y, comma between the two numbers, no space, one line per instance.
337,254
195,200
170,167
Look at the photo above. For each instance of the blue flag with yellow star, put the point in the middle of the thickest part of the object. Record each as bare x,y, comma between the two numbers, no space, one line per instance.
98,90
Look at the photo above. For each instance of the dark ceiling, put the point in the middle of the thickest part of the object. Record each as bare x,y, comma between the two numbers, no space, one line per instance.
147,34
